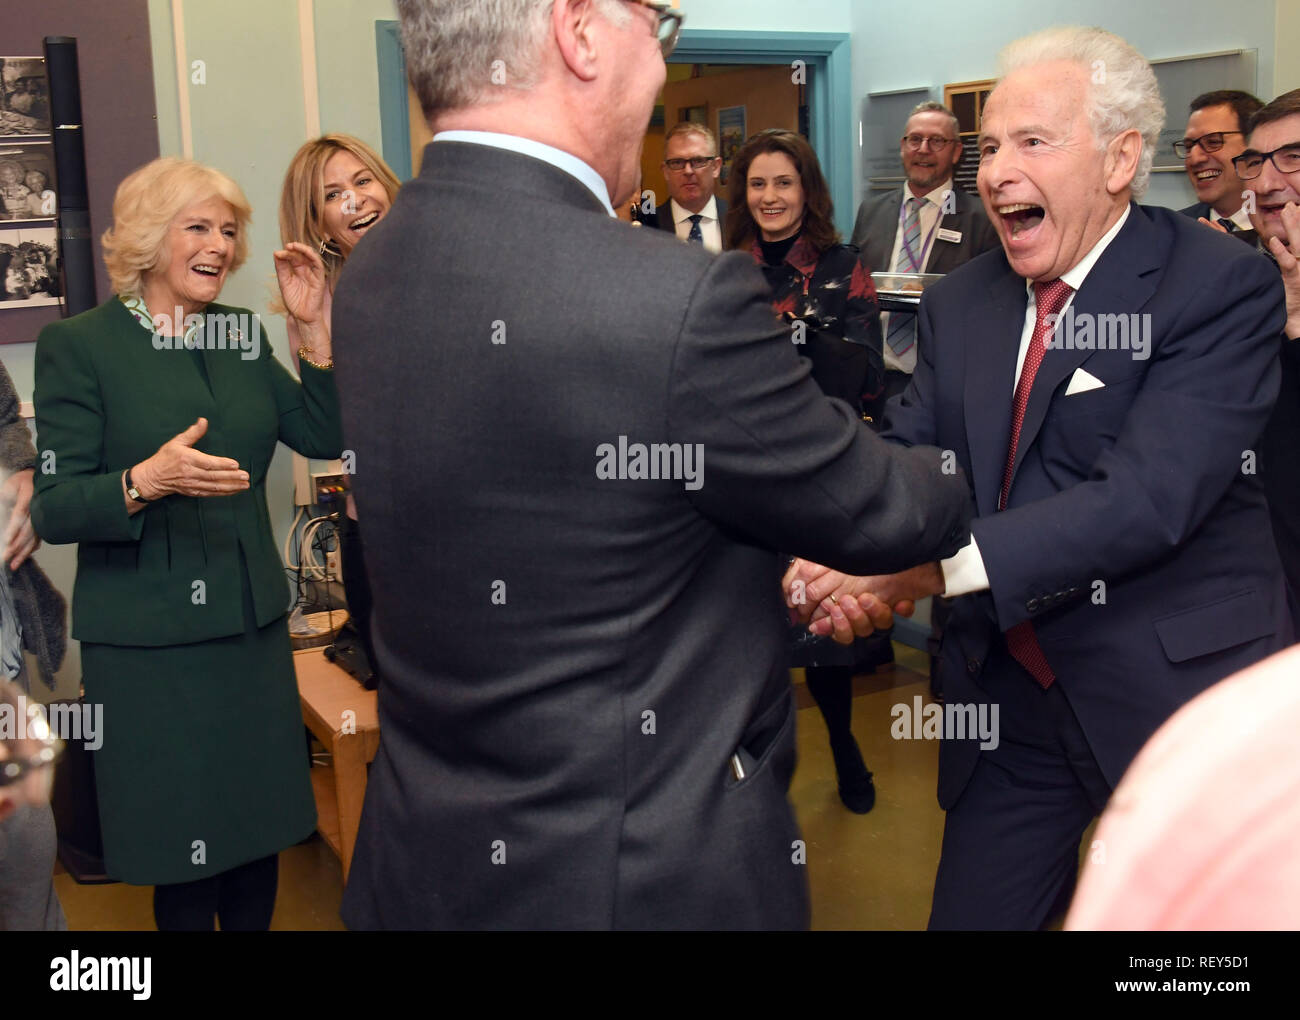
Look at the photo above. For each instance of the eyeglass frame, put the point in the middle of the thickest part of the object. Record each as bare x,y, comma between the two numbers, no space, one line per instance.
666,12
692,160
935,145
1264,157
1189,144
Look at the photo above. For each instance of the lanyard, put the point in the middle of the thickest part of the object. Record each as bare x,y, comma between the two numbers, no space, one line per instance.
929,238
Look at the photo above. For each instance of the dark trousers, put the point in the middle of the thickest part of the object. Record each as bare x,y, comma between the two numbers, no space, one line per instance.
242,898
1011,842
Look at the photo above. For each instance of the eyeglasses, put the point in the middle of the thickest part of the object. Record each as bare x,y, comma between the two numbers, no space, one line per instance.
1250,165
1212,142
670,23
698,163
914,142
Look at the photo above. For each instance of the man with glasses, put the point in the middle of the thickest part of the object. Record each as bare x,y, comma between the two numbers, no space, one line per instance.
926,226
691,167
582,446
1216,133
1270,168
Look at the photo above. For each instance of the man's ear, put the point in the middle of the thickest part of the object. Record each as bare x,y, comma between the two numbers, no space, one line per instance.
1122,155
572,22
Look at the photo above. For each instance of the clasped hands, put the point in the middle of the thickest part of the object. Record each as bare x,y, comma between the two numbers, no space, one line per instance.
844,607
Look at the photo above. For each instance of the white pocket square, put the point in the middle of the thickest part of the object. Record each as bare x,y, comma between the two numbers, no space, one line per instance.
1082,382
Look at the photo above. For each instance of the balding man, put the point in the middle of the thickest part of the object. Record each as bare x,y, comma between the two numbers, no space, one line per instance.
575,488
1104,383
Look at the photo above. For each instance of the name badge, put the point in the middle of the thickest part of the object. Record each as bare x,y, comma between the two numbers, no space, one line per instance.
950,235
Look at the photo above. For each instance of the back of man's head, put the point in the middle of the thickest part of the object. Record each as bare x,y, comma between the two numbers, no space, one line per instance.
461,54
1123,94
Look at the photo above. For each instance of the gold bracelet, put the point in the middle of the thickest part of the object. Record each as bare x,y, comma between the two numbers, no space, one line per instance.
304,355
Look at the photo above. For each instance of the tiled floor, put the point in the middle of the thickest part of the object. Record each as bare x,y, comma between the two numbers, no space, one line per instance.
866,871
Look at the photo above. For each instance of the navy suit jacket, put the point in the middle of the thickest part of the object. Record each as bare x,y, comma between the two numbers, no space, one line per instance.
1136,536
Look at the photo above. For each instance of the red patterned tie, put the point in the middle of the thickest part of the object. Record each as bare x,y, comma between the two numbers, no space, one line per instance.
1049,299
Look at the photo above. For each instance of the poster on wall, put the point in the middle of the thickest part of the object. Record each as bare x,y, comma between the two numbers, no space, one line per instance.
27,181
731,135
29,274
24,97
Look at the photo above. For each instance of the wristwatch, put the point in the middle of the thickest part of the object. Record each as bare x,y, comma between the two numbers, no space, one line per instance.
132,491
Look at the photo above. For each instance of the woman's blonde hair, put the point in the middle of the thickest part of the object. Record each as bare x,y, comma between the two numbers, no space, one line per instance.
146,203
301,209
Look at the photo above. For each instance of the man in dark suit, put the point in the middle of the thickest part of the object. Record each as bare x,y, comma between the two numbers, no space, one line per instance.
1275,180
691,167
1216,133
574,488
926,226
1121,560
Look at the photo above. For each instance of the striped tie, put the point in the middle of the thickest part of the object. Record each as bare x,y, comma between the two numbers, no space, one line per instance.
902,326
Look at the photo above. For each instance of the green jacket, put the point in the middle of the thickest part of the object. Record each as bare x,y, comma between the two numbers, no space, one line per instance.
106,398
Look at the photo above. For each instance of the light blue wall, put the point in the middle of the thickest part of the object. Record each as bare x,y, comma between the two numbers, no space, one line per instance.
772,15
961,40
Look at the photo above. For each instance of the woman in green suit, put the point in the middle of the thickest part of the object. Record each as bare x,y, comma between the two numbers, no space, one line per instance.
157,414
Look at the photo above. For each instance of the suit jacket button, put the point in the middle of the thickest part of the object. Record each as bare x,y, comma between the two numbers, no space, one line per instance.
972,666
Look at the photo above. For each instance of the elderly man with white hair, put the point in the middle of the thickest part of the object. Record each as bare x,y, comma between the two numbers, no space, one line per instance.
1103,381
576,489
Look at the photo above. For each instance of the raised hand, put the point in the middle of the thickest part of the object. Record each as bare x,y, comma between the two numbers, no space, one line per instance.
1288,261
179,468
301,275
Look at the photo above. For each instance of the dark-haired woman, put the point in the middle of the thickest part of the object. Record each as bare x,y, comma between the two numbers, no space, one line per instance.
781,211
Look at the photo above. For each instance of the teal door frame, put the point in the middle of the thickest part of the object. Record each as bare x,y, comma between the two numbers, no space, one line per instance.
827,56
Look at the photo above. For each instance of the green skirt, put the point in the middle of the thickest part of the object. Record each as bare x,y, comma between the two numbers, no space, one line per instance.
204,763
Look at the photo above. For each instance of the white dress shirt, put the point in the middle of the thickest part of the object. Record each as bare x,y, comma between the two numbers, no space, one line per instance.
1240,219
566,161
965,572
930,213
709,225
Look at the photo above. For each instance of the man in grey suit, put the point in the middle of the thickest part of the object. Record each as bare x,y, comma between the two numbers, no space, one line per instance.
575,488
926,226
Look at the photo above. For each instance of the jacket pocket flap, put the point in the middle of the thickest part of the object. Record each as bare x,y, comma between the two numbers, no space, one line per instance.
1212,628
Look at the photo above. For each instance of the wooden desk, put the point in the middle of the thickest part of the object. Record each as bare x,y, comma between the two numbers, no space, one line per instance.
328,694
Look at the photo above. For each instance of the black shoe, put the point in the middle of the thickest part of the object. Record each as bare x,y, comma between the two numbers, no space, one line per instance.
857,791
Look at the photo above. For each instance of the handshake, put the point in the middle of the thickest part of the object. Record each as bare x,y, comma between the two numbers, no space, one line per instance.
844,607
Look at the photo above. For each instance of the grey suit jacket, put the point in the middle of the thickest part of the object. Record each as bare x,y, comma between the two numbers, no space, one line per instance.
877,225
573,642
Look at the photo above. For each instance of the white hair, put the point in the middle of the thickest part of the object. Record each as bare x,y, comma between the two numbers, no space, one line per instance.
1123,94
460,53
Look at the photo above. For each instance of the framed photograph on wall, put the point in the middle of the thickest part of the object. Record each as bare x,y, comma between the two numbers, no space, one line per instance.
24,97
731,135
29,272
27,189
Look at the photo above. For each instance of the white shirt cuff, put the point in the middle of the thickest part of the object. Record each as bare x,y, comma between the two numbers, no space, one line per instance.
964,573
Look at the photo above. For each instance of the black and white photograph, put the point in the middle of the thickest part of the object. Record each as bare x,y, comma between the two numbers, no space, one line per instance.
24,97
27,181
29,273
